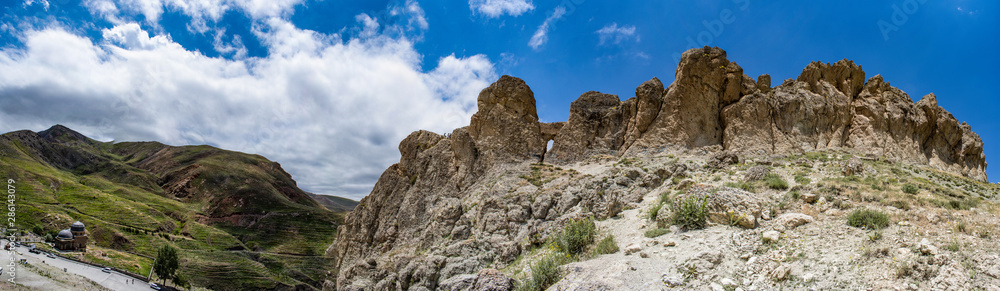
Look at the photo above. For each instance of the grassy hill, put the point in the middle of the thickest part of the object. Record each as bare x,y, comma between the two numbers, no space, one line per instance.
239,220
334,203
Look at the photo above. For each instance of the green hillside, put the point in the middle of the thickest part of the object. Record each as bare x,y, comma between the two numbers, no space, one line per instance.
239,220
334,203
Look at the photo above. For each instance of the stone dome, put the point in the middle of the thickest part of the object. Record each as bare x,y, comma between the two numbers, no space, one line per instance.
65,234
77,227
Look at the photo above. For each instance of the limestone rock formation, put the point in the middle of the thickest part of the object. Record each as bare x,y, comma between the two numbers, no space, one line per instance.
506,126
597,124
458,204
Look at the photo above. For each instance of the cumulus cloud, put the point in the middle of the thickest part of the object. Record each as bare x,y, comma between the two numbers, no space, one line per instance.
497,8
542,34
104,8
200,11
614,34
44,3
415,15
331,110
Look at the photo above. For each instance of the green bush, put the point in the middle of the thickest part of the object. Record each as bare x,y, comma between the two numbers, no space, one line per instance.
575,236
656,232
867,218
910,189
606,246
691,213
802,180
964,204
746,186
774,181
652,211
544,273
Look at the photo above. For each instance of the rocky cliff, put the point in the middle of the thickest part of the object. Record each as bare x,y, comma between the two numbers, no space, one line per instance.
476,199
829,106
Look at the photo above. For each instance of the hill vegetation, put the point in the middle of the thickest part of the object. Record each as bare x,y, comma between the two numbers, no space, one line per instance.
238,220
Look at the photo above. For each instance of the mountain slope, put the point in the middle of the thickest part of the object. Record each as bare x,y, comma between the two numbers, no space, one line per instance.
334,203
229,212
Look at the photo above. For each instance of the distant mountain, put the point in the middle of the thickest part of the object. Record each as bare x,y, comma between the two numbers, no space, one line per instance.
239,219
334,203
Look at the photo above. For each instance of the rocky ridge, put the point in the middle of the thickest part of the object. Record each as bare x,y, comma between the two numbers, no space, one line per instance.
484,195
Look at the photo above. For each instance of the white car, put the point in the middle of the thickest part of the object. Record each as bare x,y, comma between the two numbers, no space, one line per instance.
154,286
106,270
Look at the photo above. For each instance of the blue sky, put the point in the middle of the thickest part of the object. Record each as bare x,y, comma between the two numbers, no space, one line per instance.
328,88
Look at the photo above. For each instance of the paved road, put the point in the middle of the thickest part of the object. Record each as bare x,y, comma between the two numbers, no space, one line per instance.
114,280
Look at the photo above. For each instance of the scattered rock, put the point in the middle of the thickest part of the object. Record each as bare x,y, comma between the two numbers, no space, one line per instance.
716,287
756,173
728,206
770,236
780,273
459,283
809,198
669,244
723,159
926,248
632,248
793,220
672,282
684,184
703,261
493,280
854,166
727,282
643,255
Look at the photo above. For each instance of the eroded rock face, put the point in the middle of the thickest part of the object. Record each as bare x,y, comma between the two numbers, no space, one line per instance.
475,199
705,82
597,124
506,126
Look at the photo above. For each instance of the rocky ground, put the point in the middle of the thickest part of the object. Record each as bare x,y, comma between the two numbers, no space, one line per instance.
933,241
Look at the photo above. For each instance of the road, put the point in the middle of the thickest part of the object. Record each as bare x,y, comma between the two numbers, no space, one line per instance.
114,280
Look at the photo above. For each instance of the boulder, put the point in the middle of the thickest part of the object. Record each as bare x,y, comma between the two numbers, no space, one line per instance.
793,220
770,236
854,166
756,173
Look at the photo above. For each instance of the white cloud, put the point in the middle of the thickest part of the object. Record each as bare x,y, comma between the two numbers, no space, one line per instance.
370,25
131,36
200,11
542,34
151,9
258,9
497,8
960,9
415,15
616,35
103,8
44,3
331,111
235,47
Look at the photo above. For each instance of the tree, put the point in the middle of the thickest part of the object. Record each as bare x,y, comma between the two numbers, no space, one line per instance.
48,237
166,263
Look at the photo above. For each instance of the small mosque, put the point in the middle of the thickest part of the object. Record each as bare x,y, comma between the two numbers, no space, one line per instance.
72,239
